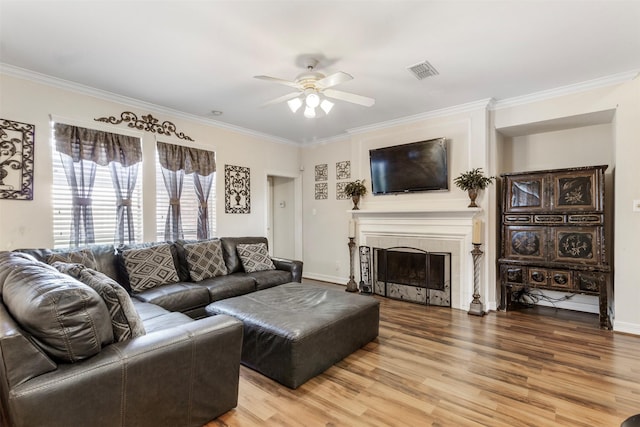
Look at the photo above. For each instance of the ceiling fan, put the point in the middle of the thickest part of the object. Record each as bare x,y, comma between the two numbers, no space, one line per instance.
312,89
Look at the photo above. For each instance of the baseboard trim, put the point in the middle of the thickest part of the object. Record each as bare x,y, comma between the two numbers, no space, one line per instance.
626,327
326,278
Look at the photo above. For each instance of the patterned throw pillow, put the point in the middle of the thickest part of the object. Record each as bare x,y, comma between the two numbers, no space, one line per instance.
205,260
254,257
150,267
82,256
125,321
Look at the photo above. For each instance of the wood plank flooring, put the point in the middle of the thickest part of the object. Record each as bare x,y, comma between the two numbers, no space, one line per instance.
434,366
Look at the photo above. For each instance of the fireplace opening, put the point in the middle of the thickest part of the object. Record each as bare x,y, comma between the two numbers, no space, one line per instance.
413,274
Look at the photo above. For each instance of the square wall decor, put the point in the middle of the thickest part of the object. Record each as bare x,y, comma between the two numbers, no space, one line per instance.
322,191
343,170
340,195
322,172
16,160
237,189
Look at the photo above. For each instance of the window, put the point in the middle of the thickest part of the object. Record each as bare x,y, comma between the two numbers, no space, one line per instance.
103,206
188,206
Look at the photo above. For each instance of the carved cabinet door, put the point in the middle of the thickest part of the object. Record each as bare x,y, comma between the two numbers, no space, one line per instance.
526,193
577,191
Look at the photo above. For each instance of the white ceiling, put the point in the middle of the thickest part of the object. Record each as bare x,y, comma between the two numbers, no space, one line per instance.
199,56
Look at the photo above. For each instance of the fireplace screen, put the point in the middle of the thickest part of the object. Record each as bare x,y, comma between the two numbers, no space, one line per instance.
413,274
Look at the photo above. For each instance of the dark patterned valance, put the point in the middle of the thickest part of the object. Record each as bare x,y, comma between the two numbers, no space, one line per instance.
97,146
177,157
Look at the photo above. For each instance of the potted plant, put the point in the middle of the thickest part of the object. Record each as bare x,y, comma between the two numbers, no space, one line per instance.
355,190
472,181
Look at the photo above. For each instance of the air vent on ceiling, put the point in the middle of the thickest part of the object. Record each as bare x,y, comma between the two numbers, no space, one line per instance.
423,70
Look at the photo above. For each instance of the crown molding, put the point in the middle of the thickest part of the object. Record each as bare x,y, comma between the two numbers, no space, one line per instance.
25,74
566,90
443,112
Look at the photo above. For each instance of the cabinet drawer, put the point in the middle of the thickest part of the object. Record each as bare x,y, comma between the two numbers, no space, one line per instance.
513,274
588,282
550,278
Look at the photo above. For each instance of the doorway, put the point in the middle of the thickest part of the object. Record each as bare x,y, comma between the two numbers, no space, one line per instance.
283,220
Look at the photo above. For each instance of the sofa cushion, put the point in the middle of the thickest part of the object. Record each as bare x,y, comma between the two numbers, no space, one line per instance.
254,257
150,267
205,259
231,285
270,278
82,256
125,321
182,297
66,318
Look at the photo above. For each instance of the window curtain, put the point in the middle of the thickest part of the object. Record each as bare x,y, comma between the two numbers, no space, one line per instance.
177,160
81,150
124,182
80,177
202,185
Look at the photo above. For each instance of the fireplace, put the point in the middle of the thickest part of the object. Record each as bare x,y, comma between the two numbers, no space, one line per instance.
412,274
435,230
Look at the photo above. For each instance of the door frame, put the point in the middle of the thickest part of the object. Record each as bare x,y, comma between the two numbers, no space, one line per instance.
297,194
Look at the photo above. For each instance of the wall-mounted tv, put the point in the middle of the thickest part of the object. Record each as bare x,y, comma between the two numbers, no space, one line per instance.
418,166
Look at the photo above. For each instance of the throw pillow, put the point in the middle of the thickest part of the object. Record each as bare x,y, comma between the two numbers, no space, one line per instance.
82,256
254,257
150,267
125,321
205,260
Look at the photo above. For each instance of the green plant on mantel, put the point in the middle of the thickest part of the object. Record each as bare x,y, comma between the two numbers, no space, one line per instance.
472,181
355,188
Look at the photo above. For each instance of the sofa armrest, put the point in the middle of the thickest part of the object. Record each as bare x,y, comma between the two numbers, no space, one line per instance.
185,375
295,267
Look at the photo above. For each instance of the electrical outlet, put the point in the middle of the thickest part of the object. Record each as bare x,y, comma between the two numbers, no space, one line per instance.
337,265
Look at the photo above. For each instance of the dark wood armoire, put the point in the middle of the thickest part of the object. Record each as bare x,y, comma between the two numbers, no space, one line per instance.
553,235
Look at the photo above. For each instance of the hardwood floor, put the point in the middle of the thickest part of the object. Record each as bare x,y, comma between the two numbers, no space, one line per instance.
434,366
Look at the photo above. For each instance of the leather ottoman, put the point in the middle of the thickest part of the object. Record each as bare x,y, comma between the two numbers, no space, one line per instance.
295,331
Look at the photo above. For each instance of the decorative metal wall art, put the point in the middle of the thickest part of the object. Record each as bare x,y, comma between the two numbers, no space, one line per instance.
322,172
343,169
237,189
16,160
322,191
340,194
147,123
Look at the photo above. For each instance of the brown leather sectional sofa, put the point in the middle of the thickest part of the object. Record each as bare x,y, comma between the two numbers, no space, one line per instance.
183,371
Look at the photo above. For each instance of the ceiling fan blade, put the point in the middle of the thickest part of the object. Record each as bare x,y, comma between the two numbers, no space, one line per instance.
280,81
282,98
333,79
349,97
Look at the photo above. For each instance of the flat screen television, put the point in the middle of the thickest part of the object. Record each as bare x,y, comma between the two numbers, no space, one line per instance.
418,166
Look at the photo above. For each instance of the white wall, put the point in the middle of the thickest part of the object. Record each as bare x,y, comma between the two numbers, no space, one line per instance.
29,223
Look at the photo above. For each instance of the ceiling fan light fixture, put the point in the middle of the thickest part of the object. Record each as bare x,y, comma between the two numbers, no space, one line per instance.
309,112
294,104
326,106
312,100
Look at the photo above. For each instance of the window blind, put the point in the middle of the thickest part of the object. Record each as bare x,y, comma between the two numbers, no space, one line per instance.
104,206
